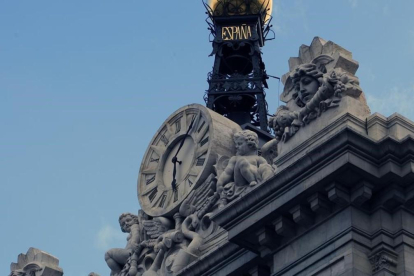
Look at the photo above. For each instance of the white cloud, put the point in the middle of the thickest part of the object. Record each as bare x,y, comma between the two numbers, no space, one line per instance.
397,100
109,237
354,3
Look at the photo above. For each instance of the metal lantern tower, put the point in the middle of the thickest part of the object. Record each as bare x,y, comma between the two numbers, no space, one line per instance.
237,82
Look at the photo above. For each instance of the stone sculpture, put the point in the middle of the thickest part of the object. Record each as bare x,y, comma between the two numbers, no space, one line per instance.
197,224
319,78
116,258
157,246
243,170
36,263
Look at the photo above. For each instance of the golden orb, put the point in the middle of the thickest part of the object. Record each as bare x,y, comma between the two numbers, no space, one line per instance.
238,7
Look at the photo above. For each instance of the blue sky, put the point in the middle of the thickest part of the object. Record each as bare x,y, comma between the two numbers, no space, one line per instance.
84,85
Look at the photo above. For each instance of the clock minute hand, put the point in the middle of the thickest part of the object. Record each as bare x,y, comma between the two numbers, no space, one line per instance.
183,140
175,160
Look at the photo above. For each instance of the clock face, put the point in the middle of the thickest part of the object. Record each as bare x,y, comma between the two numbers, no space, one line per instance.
186,136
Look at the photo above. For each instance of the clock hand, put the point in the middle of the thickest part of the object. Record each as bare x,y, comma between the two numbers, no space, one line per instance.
174,181
175,160
183,140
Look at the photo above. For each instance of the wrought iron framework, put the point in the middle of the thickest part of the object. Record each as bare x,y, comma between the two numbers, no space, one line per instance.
237,82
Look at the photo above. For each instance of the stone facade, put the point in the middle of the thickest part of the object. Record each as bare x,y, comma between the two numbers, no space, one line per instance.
332,194
341,200
342,208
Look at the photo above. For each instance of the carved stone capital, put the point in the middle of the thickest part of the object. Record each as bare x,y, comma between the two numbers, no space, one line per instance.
384,261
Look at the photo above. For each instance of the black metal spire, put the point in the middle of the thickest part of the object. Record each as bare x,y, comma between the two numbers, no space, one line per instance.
237,82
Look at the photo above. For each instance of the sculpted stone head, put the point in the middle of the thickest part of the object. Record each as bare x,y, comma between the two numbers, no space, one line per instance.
307,79
126,220
283,116
246,141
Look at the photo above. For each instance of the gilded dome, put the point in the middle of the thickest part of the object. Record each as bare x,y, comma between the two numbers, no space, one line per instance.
241,7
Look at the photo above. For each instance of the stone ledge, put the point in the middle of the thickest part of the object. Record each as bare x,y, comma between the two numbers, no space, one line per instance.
217,260
288,184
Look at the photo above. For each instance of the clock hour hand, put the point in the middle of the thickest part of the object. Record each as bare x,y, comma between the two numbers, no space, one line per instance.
174,181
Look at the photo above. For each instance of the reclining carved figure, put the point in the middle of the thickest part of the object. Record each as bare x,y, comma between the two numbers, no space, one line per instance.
243,170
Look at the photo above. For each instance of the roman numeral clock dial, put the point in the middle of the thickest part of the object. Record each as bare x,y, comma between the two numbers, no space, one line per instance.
181,156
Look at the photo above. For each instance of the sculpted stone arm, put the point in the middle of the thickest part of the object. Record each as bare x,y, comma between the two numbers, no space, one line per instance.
227,175
189,224
261,161
135,238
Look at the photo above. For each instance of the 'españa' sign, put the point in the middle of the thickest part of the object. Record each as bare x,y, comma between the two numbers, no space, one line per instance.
237,32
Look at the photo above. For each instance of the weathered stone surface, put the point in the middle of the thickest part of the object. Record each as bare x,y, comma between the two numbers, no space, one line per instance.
362,193
301,215
305,54
320,88
284,227
243,171
330,48
294,62
316,48
267,238
259,270
362,216
340,201
36,263
384,261
319,203
338,194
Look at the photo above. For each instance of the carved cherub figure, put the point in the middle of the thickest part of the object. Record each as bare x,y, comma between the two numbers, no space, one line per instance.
282,123
116,258
243,170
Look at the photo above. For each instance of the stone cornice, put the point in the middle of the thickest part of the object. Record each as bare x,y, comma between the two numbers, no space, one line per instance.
217,259
395,118
333,126
345,148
